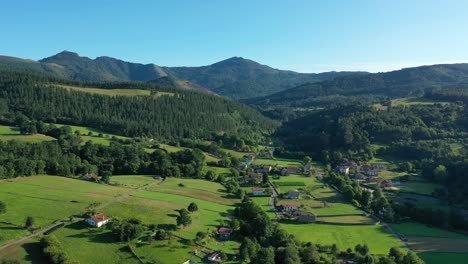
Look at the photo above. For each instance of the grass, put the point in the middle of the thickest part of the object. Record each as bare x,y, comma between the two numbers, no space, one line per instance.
199,189
418,187
36,138
416,229
47,199
376,237
110,92
9,130
132,181
278,162
92,245
442,257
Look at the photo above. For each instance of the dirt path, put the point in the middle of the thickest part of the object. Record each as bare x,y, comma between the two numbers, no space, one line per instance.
60,222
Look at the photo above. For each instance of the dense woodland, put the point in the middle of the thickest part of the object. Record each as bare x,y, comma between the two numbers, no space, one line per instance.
183,115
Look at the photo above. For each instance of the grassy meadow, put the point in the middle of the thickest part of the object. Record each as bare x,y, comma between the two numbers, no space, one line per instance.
110,92
47,199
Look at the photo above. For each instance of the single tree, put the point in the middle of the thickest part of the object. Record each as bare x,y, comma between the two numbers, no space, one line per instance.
184,218
29,222
193,207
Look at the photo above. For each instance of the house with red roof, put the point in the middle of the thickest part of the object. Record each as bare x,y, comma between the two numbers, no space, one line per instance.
98,220
257,191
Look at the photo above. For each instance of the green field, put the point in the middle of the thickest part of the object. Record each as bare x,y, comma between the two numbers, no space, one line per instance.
416,229
13,133
278,162
132,181
51,198
110,92
47,199
376,237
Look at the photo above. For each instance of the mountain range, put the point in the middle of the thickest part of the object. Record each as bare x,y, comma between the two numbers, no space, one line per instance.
237,78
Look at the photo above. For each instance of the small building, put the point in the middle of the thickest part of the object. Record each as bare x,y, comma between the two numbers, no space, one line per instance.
225,232
386,183
305,217
294,194
189,262
285,171
263,169
288,207
359,176
378,166
343,170
257,191
90,177
214,257
98,220
253,178
372,173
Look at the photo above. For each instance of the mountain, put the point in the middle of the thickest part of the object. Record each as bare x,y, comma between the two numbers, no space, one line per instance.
236,77
103,68
241,78
406,82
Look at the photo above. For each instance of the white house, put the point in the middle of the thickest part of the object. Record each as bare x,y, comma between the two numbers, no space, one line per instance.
214,257
288,207
98,220
257,191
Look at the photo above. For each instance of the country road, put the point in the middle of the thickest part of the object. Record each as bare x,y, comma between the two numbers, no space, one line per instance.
59,222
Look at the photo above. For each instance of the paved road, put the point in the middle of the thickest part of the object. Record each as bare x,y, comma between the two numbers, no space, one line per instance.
41,231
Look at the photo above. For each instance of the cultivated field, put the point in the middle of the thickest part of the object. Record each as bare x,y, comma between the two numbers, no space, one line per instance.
434,245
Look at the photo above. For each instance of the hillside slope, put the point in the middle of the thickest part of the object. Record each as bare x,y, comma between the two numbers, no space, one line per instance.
184,114
406,82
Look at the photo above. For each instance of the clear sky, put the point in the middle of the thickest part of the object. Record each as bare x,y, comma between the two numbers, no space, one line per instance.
305,36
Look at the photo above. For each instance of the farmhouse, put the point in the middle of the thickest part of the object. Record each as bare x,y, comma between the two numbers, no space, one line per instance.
214,257
257,191
263,169
225,232
253,178
90,177
293,194
285,171
288,207
305,217
98,220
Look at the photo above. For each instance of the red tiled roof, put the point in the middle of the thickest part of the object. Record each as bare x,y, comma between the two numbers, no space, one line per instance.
254,189
99,218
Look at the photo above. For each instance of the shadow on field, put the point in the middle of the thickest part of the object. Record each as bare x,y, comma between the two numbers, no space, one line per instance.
34,255
167,227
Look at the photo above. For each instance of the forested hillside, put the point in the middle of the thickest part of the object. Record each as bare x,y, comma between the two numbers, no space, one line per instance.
370,87
179,114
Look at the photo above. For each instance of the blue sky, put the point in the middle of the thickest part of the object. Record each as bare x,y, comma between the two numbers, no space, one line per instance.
305,36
